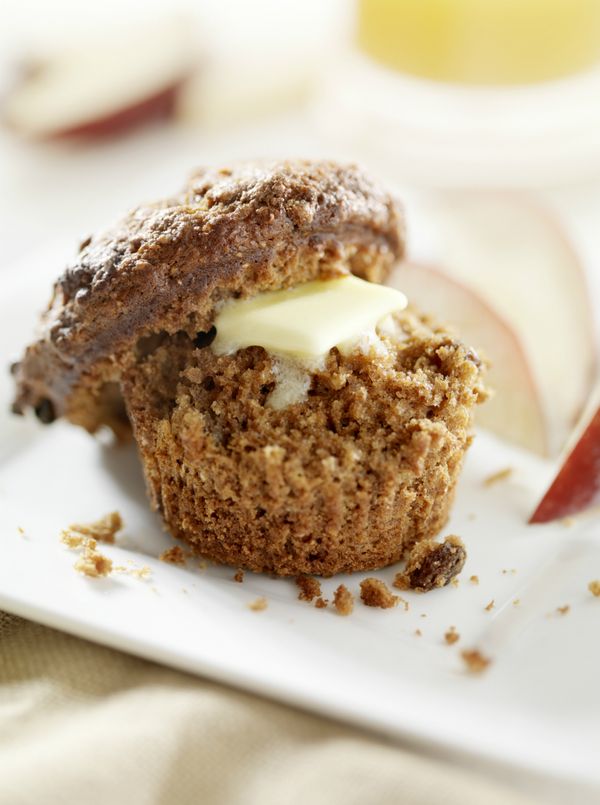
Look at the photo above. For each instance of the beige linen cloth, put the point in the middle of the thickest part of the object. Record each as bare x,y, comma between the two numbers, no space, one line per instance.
85,725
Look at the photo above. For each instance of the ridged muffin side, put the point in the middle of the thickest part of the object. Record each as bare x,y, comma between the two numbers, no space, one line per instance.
348,479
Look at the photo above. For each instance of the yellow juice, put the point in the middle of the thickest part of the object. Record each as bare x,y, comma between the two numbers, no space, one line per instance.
481,41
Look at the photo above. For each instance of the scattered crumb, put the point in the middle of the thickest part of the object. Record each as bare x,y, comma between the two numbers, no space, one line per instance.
85,536
512,571
375,593
423,614
343,600
103,530
183,590
404,602
173,556
258,605
74,541
154,590
490,606
472,516
594,588
568,522
309,588
432,564
516,602
321,603
474,579
239,576
475,660
93,564
455,582
418,633
495,477
451,636
20,531
141,572
563,610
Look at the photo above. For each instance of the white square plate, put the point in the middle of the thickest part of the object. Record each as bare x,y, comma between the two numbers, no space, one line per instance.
536,707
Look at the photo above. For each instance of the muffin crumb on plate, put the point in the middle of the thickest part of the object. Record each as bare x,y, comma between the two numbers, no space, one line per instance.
343,600
375,593
432,564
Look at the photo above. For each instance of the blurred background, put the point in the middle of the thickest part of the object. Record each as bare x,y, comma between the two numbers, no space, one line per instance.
482,115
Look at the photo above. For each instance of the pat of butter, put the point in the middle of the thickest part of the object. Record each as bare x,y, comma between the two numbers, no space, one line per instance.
308,320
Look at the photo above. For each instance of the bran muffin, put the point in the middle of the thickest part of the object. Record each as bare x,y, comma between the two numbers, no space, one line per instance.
166,267
255,462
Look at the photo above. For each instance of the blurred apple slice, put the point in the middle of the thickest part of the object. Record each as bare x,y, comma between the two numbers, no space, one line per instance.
513,255
103,86
515,412
576,486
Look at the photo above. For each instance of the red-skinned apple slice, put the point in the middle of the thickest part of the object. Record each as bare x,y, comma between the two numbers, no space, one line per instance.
511,252
113,83
576,486
514,412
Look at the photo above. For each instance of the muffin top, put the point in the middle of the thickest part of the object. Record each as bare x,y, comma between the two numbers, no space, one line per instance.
166,266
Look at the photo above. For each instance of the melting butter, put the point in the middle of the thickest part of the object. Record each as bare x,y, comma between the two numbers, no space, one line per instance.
308,320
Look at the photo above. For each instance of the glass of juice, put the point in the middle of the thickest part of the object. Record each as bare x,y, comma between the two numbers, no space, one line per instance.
470,92
481,41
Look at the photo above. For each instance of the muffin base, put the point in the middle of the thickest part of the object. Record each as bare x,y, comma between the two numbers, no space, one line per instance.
348,479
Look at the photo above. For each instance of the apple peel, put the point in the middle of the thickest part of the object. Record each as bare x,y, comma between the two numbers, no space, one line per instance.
161,106
516,255
118,80
576,487
515,410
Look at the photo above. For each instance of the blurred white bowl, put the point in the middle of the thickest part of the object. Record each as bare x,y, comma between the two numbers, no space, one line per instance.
447,135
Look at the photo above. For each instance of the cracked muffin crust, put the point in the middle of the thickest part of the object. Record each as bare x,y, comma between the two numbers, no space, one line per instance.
349,476
231,232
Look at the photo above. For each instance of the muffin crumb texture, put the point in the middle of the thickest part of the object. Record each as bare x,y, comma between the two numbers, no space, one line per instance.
103,530
85,536
375,593
92,563
309,588
451,636
173,556
343,600
351,478
73,540
475,661
432,564
258,605
143,572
